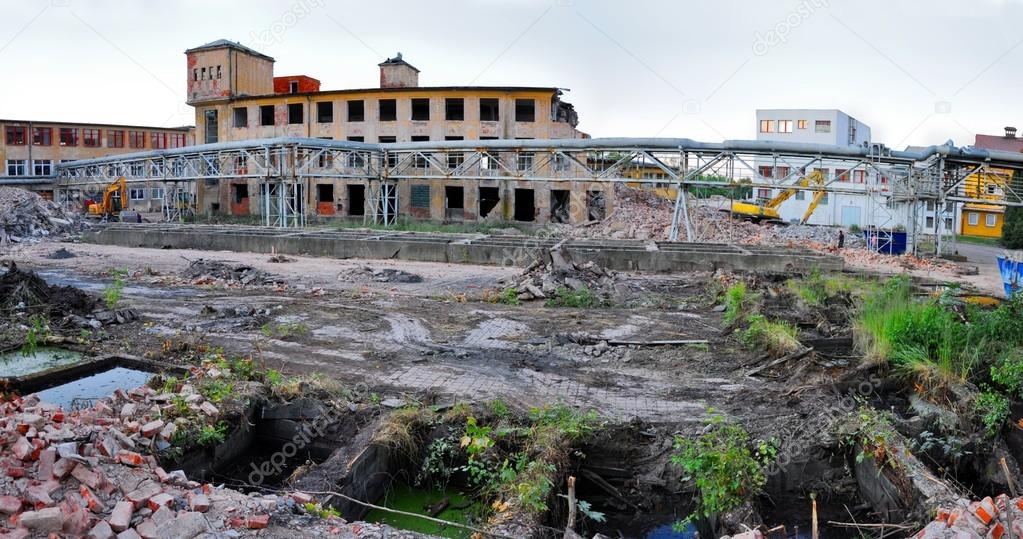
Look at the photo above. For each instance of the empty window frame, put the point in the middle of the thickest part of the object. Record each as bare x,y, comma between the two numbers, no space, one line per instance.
115,138
356,159
421,110
784,126
293,86
137,139
266,115
455,158
15,135
525,110
325,112
42,136
489,109
241,117
158,141
454,109
767,126
42,167
177,140
136,193
68,136
822,126
392,158
420,161
156,193
388,110
16,167
296,114
91,138
356,111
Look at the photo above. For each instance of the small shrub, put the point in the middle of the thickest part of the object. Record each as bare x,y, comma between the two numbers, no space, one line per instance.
1008,371
216,390
210,435
735,303
319,511
993,410
37,332
274,378
112,292
509,296
583,298
871,431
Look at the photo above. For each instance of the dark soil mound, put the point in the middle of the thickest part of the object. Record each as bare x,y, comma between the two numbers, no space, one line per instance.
24,290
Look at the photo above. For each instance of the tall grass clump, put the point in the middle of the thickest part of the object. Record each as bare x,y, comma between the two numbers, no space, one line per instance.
735,303
777,337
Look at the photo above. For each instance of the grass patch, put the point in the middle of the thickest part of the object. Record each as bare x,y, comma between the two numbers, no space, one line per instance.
735,303
583,298
974,240
777,337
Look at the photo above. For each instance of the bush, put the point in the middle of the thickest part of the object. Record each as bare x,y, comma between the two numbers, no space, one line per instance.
583,298
993,410
1012,226
724,466
1008,371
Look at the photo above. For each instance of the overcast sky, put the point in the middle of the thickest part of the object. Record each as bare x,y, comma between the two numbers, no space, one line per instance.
918,72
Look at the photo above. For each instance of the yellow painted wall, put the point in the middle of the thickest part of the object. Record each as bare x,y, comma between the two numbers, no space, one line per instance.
981,229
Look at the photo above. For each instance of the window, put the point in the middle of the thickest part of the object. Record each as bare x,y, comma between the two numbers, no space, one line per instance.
421,110
15,167
841,175
115,138
137,139
241,117
990,219
990,188
973,218
42,136
859,176
800,195
388,110
295,113
392,159
355,159
784,126
356,111
325,112
15,135
419,196
136,193
454,109
455,158
930,205
929,222
525,110
218,72
42,167
767,126
489,110
822,126
158,141
763,193
91,138
293,86
156,193
177,140
68,136
421,161
800,124
266,115
824,200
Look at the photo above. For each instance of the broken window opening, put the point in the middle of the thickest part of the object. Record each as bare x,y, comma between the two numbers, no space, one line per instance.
356,111
325,112
241,192
454,197
525,208
325,192
454,109
489,198
560,206
388,110
420,161
421,110
293,86
266,115
489,110
596,207
212,128
241,117
525,110
356,200
455,158
295,113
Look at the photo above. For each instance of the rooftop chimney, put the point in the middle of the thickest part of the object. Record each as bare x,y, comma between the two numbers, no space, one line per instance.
1010,132
397,73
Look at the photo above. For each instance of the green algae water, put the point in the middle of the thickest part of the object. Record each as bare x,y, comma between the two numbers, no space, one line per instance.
14,363
412,500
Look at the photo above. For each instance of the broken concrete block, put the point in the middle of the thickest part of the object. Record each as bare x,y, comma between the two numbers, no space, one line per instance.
130,458
186,525
120,517
199,502
141,495
129,534
10,505
152,428
43,520
92,502
63,467
159,500
22,448
101,531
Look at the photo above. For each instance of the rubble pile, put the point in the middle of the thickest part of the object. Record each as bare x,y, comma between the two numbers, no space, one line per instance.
542,280
26,217
91,472
379,275
203,271
995,518
26,291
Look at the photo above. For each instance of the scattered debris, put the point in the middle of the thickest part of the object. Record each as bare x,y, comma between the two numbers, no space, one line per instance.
279,259
203,271
26,291
27,217
541,281
379,275
61,254
996,517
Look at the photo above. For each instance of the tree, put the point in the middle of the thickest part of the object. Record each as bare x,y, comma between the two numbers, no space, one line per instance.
1012,223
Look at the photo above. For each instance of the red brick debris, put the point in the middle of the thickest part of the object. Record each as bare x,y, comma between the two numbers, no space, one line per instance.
985,519
90,473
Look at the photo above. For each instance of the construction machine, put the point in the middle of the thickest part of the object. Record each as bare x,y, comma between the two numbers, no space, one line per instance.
769,210
114,200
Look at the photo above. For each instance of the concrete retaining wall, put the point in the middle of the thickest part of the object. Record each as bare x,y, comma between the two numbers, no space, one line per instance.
620,255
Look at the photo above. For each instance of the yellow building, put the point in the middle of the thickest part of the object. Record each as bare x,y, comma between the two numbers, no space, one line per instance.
984,220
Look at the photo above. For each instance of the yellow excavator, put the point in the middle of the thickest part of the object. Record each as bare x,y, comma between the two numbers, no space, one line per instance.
769,210
115,197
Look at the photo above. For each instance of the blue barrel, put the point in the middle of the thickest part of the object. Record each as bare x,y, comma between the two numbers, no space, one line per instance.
885,241
1012,279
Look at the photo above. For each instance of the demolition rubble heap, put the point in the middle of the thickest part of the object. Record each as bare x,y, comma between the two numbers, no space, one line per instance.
26,217
90,472
24,293
994,518
202,271
543,280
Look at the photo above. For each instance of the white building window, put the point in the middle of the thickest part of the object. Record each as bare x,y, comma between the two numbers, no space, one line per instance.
973,218
800,124
136,193
157,193
15,167
42,167
989,220
763,193
822,126
930,222
784,126
767,126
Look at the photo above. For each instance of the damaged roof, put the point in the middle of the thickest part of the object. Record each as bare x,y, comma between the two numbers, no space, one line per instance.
226,43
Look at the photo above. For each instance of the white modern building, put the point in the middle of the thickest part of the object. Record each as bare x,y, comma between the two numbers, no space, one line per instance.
833,127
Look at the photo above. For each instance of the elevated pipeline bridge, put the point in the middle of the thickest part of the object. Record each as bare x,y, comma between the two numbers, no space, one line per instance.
897,184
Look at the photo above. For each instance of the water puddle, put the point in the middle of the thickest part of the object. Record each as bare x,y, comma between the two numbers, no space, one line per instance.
89,388
14,363
459,509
